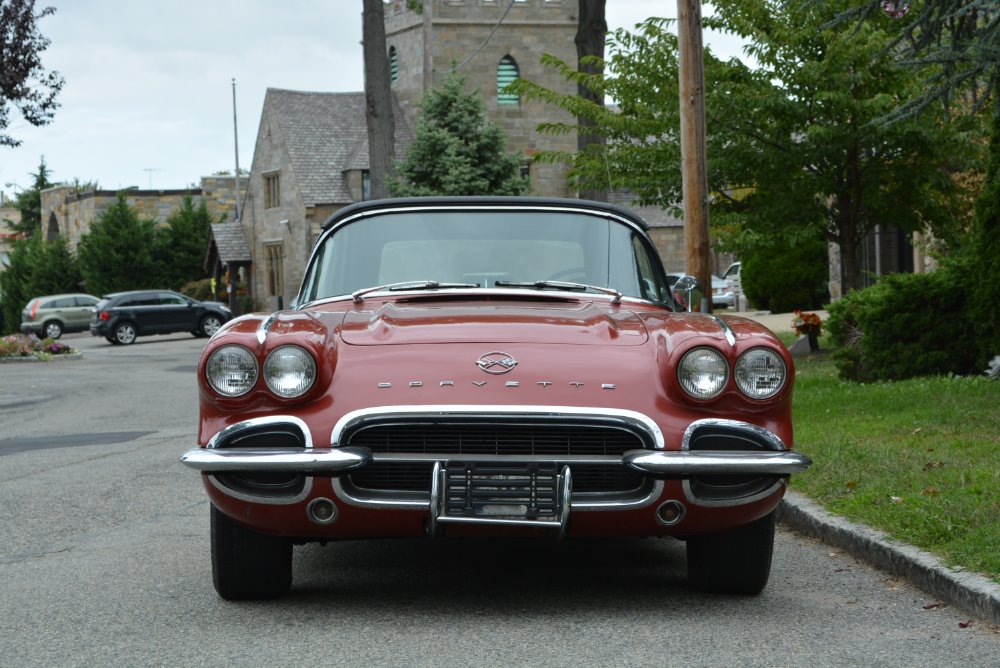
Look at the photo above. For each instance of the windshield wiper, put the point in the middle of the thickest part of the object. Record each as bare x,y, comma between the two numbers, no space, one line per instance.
561,285
359,295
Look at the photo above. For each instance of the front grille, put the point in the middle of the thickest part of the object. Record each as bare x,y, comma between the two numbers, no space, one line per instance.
452,441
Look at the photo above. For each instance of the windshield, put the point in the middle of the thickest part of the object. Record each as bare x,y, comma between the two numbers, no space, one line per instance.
483,248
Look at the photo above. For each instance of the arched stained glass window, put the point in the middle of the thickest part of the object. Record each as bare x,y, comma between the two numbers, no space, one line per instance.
506,72
393,66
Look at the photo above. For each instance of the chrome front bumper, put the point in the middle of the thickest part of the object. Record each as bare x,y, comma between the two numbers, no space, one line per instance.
333,461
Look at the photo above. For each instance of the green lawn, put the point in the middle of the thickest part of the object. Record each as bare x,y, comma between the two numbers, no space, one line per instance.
918,459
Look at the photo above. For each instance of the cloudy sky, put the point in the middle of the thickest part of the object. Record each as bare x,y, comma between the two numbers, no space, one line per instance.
148,99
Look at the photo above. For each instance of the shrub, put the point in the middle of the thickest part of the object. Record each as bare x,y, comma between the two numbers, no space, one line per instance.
905,325
19,345
782,279
200,290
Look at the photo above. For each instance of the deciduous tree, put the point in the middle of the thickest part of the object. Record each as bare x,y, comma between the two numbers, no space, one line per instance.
795,148
25,86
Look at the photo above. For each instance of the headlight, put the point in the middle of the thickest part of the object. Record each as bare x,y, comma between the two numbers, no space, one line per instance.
289,371
760,373
231,371
703,373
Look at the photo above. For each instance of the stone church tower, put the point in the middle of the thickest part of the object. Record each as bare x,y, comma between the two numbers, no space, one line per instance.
490,43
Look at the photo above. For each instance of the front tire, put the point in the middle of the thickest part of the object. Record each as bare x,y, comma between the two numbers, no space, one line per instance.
737,561
124,333
246,564
52,329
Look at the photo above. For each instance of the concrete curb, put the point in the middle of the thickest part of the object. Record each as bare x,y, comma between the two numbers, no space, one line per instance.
31,358
971,592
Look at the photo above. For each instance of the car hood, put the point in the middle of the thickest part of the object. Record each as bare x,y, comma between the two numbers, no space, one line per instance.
561,323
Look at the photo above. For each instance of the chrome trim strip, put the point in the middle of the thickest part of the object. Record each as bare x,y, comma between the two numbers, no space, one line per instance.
264,500
633,418
265,421
545,524
436,502
716,462
265,327
770,437
726,330
773,440
245,425
567,500
418,457
276,460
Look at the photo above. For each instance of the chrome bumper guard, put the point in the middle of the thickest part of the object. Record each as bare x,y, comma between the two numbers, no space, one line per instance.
283,460
678,464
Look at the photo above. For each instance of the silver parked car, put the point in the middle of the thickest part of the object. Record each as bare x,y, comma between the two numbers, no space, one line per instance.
50,316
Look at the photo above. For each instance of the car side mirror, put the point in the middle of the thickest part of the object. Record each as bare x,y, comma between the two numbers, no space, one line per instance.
687,293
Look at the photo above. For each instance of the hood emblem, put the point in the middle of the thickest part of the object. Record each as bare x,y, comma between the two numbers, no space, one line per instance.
496,363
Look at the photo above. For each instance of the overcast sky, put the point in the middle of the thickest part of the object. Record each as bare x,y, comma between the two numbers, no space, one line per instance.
148,95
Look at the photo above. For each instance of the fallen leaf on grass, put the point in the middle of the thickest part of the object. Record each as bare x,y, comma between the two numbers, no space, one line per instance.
933,465
930,491
918,430
852,485
897,499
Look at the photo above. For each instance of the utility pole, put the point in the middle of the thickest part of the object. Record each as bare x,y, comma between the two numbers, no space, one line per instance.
694,167
236,150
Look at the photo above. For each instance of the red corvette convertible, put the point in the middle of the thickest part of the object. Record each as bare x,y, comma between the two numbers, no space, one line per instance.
491,367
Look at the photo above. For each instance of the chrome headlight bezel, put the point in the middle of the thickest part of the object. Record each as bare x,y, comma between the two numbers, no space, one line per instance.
237,363
758,365
289,371
703,372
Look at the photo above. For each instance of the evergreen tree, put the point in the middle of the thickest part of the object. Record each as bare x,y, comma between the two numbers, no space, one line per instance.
37,268
117,253
29,203
455,151
179,251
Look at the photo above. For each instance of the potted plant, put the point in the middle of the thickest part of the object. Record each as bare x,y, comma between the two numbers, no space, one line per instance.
810,325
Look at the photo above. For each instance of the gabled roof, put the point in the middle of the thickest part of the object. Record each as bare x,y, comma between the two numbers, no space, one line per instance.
325,134
230,243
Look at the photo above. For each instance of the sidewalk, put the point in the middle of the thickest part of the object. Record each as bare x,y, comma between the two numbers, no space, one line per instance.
776,322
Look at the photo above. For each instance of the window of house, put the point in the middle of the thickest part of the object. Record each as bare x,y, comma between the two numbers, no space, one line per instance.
366,185
272,191
274,269
393,66
506,73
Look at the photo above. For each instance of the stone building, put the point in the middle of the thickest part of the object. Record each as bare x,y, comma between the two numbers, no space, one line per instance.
311,152
70,213
491,43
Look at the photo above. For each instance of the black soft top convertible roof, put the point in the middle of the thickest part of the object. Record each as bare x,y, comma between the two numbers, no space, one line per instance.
378,205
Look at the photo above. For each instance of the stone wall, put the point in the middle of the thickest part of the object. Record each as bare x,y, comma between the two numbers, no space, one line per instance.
68,213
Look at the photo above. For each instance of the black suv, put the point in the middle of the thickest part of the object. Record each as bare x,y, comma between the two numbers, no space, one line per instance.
122,316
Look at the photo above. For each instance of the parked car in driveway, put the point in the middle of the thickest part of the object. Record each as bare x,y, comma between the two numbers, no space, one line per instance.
122,316
504,367
52,315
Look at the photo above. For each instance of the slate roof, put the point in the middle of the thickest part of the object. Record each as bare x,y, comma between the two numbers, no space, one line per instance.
230,243
325,134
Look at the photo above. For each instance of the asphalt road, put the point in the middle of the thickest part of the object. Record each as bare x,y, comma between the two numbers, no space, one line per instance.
104,561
